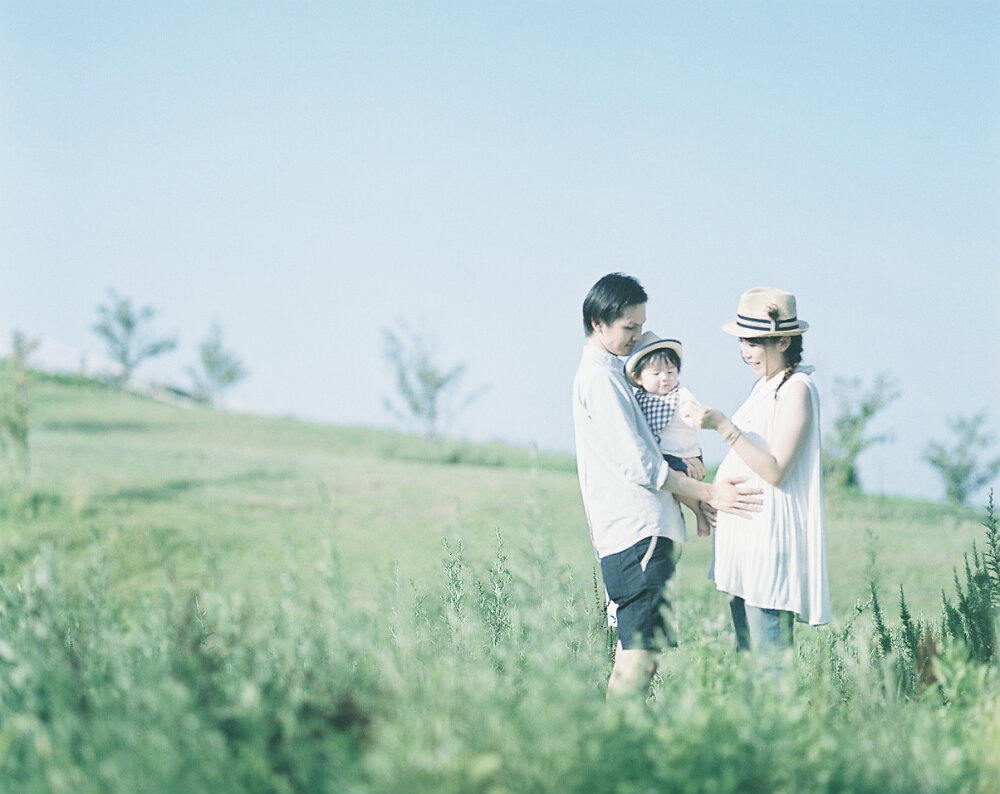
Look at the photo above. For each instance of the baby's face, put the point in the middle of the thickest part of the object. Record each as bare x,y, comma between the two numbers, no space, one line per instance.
657,378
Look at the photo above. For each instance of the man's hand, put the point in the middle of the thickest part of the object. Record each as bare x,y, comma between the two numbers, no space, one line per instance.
729,498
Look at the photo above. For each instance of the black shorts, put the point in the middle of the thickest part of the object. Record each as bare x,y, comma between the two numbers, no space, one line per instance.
641,593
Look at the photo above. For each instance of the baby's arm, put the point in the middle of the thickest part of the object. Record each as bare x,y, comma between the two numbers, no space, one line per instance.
689,429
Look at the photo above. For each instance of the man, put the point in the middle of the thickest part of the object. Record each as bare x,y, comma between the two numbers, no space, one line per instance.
626,485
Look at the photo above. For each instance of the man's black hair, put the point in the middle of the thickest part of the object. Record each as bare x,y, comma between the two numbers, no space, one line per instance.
608,299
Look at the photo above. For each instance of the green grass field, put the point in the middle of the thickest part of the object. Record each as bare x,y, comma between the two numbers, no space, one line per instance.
160,485
201,601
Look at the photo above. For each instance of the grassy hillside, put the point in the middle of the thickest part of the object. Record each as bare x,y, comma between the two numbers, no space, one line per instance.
174,494
202,602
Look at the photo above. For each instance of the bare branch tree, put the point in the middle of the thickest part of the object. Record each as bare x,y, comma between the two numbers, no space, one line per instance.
848,441
220,368
426,393
959,464
123,328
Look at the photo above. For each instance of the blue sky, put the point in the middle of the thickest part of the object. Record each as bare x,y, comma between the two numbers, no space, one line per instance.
308,174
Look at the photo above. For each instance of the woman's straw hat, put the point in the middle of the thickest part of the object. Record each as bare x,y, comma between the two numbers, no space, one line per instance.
766,311
649,343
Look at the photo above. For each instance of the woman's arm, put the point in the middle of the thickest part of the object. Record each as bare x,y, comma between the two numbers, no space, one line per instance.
791,425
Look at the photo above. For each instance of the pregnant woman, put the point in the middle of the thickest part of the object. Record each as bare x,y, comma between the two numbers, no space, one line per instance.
772,564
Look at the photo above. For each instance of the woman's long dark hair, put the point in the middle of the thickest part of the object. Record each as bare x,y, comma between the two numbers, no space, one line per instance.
793,355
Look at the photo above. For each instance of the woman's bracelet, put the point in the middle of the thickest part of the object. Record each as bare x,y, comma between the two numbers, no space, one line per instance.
733,435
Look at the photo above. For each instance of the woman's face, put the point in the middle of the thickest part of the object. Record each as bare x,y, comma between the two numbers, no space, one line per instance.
765,357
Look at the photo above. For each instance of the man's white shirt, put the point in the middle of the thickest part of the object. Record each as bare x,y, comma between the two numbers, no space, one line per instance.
620,466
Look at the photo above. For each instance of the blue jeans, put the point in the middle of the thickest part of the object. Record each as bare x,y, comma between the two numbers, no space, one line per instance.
766,631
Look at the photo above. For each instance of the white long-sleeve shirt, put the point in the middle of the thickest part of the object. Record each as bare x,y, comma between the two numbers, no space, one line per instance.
619,464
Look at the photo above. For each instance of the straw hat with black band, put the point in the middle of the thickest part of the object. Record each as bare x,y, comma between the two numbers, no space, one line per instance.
650,343
765,311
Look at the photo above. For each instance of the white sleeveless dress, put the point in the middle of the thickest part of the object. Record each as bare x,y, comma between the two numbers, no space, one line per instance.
777,558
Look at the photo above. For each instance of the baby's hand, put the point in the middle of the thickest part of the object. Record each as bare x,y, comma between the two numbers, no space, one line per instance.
693,413
706,519
696,469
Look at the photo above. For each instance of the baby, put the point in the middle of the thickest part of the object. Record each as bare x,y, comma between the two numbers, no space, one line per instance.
654,369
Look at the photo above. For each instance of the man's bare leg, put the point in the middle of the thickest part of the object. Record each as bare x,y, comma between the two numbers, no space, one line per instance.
632,672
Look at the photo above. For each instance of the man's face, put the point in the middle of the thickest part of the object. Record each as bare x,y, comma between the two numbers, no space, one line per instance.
621,336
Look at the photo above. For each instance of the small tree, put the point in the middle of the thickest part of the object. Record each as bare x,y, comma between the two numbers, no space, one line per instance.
848,441
220,369
959,465
14,405
427,394
123,328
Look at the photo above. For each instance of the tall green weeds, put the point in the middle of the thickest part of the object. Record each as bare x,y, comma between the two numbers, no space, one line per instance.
967,627
973,617
490,679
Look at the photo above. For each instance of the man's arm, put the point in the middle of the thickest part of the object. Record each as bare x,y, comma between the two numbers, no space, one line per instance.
726,496
618,438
